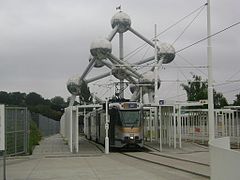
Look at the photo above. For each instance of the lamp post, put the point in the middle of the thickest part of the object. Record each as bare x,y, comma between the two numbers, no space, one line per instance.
106,129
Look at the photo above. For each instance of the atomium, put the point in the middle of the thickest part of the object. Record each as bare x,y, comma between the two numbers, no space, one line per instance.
98,63
120,67
147,82
167,53
100,48
73,85
122,20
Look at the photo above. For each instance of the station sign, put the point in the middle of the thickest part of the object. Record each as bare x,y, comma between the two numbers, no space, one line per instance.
2,128
161,102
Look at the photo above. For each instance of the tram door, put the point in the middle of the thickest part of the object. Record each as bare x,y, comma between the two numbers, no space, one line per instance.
89,127
98,126
113,115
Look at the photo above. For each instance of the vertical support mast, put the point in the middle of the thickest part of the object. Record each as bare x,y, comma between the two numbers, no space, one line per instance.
210,77
156,62
106,130
121,58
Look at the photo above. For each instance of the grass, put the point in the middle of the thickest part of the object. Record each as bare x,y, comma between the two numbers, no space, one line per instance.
35,136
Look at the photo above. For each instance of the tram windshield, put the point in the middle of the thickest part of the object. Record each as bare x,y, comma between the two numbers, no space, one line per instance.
130,118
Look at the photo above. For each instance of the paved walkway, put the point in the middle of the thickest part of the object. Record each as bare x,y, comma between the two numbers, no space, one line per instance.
53,161
52,145
56,146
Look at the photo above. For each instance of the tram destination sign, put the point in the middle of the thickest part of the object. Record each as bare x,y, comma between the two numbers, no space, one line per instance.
130,105
2,128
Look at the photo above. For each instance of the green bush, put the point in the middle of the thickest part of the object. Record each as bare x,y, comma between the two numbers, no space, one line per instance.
35,136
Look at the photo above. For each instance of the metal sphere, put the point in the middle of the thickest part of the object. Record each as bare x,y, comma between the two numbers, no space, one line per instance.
73,85
132,88
98,63
118,72
122,20
167,52
149,78
100,48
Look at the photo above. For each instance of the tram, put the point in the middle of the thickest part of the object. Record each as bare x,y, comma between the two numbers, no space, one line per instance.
125,124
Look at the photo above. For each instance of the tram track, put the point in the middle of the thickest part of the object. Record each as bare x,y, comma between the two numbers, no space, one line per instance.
157,153
177,158
181,164
192,167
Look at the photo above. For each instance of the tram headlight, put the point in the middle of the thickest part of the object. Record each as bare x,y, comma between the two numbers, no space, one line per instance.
131,136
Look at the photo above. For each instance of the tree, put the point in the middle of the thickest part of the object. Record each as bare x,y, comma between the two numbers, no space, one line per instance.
35,102
219,100
33,99
4,97
17,98
236,102
85,95
58,103
197,90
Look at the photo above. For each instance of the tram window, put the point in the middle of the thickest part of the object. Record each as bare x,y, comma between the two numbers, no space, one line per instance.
114,116
130,118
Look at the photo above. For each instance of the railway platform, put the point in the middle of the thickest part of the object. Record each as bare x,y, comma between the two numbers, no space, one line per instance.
189,151
52,160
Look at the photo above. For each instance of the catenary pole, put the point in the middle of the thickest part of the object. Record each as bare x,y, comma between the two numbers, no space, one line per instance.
210,76
156,64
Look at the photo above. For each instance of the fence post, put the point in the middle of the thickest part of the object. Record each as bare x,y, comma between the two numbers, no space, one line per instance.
2,138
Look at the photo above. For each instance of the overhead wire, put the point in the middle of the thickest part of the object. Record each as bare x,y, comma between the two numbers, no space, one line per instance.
180,71
189,24
212,35
192,64
233,75
229,91
175,96
168,28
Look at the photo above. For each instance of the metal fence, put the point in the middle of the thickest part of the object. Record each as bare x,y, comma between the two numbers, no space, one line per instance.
46,126
17,122
171,124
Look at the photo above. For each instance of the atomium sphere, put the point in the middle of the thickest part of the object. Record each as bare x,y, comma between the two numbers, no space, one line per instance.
122,20
148,83
118,72
100,48
132,88
98,63
73,85
149,77
167,52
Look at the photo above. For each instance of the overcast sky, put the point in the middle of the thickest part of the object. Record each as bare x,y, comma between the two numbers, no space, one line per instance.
44,42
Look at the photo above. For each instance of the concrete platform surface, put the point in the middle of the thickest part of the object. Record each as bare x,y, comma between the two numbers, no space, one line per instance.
189,151
52,161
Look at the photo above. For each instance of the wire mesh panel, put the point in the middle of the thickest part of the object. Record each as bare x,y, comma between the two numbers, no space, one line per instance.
2,139
46,125
17,130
